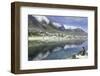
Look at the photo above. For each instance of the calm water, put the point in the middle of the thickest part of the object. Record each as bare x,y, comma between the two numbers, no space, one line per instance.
56,51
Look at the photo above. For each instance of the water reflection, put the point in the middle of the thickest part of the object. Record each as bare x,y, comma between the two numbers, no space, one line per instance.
53,51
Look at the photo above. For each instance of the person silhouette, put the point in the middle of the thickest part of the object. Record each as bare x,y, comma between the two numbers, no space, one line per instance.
83,51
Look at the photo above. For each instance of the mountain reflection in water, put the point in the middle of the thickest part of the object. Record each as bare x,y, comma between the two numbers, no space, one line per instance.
56,51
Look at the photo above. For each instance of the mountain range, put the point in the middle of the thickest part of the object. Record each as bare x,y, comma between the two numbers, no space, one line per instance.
44,24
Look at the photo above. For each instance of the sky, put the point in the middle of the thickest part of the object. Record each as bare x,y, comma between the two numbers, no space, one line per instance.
81,22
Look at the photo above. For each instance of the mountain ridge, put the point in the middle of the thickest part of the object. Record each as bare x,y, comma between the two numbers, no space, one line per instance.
43,24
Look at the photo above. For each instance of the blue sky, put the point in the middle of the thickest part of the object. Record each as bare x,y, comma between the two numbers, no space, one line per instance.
71,20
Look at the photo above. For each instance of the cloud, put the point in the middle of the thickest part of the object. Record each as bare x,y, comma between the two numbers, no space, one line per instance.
56,24
41,18
69,26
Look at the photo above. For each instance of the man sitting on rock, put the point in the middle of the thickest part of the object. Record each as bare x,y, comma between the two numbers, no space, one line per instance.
82,52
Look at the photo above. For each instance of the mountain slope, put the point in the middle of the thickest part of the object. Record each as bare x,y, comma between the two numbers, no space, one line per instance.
43,24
